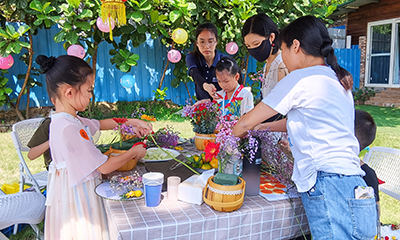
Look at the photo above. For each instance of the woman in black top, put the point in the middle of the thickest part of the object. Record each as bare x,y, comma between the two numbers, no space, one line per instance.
202,61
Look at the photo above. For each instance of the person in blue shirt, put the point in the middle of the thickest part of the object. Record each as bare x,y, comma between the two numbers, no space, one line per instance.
202,61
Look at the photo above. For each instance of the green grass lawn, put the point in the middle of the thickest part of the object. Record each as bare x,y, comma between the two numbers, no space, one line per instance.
388,135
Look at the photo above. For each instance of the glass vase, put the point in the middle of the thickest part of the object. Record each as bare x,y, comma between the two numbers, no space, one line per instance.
234,166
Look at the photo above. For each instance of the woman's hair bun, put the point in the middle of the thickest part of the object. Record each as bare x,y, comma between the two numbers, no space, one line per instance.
45,62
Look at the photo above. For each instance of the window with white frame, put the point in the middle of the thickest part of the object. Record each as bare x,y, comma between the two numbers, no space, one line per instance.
383,53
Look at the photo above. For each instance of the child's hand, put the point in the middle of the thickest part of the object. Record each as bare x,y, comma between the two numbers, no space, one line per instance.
139,151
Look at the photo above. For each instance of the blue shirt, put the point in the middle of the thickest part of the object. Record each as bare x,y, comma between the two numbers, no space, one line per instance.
207,72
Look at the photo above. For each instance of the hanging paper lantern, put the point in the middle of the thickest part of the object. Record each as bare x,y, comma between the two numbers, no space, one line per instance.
105,26
174,56
179,36
127,81
6,62
231,48
114,9
76,50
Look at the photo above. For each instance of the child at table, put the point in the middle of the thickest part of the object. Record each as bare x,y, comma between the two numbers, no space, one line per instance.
365,131
234,100
73,210
316,97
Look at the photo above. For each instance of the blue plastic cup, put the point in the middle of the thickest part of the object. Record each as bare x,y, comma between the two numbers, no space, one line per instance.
152,182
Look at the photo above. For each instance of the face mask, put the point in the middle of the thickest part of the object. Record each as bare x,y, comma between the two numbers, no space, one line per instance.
262,52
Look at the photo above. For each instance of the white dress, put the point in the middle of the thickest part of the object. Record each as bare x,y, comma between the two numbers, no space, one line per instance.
73,210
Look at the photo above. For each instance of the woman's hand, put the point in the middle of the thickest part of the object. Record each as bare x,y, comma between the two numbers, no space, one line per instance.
138,151
212,90
142,128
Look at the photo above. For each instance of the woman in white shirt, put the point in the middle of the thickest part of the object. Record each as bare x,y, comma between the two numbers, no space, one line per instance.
318,102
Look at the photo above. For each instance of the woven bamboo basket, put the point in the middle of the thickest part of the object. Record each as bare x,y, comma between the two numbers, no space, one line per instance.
200,138
224,198
131,164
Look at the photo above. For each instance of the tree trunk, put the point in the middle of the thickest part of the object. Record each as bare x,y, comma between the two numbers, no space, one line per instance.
165,69
247,67
27,75
28,100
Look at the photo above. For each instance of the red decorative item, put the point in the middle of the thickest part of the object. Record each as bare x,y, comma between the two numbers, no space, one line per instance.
380,181
212,150
120,120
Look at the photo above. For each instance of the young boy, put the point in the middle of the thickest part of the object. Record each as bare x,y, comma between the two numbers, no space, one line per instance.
39,143
365,131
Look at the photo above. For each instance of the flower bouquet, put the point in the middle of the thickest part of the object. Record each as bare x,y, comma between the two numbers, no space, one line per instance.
165,137
204,118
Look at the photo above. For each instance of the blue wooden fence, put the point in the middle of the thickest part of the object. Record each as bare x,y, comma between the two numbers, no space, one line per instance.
147,73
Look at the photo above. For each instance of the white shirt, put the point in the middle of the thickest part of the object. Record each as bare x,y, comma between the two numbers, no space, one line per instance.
320,123
245,97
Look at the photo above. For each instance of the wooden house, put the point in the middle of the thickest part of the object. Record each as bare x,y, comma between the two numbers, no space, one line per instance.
374,25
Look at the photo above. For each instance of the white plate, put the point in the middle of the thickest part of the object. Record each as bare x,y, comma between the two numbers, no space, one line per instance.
104,190
167,158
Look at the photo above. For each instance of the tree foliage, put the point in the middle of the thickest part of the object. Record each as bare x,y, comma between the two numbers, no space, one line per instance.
145,18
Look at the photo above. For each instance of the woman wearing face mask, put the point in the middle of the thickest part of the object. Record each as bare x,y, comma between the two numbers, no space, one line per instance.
202,61
260,35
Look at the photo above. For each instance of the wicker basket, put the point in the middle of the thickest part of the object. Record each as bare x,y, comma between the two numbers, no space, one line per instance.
224,198
200,138
127,166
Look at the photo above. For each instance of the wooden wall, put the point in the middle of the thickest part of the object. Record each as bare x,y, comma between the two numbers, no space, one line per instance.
358,21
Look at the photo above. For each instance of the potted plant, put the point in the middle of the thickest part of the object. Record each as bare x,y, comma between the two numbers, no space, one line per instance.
204,118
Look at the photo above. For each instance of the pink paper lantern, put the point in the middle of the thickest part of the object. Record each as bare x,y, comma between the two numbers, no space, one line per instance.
104,26
231,48
76,50
6,62
174,56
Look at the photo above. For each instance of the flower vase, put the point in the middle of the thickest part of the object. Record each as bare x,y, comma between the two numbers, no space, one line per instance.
251,173
199,139
233,166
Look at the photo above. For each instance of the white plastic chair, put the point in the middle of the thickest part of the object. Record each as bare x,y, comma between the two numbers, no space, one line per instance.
24,207
21,133
386,163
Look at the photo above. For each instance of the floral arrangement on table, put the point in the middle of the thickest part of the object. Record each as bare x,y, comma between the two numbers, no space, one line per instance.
127,186
166,137
204,117
276,160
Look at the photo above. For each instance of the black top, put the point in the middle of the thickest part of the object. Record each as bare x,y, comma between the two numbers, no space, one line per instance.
40,136
202,73
371,179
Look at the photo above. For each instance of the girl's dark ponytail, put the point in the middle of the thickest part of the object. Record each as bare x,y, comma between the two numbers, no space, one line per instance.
314,40
342,74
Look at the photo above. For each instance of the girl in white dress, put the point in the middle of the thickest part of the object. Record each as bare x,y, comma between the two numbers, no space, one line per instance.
73,210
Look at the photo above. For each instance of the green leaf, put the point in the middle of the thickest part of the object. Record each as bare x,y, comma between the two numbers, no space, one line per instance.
22,4
142,29
83,25
72,37
36,5
74,3
124,67
124,54
145,7
174,15
112,52
48,9
8,90
137,16
11,31
131,62
16,47
37,22
134,57
25,44
191,6
86,13
175,82
23,29
154,16
59,37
